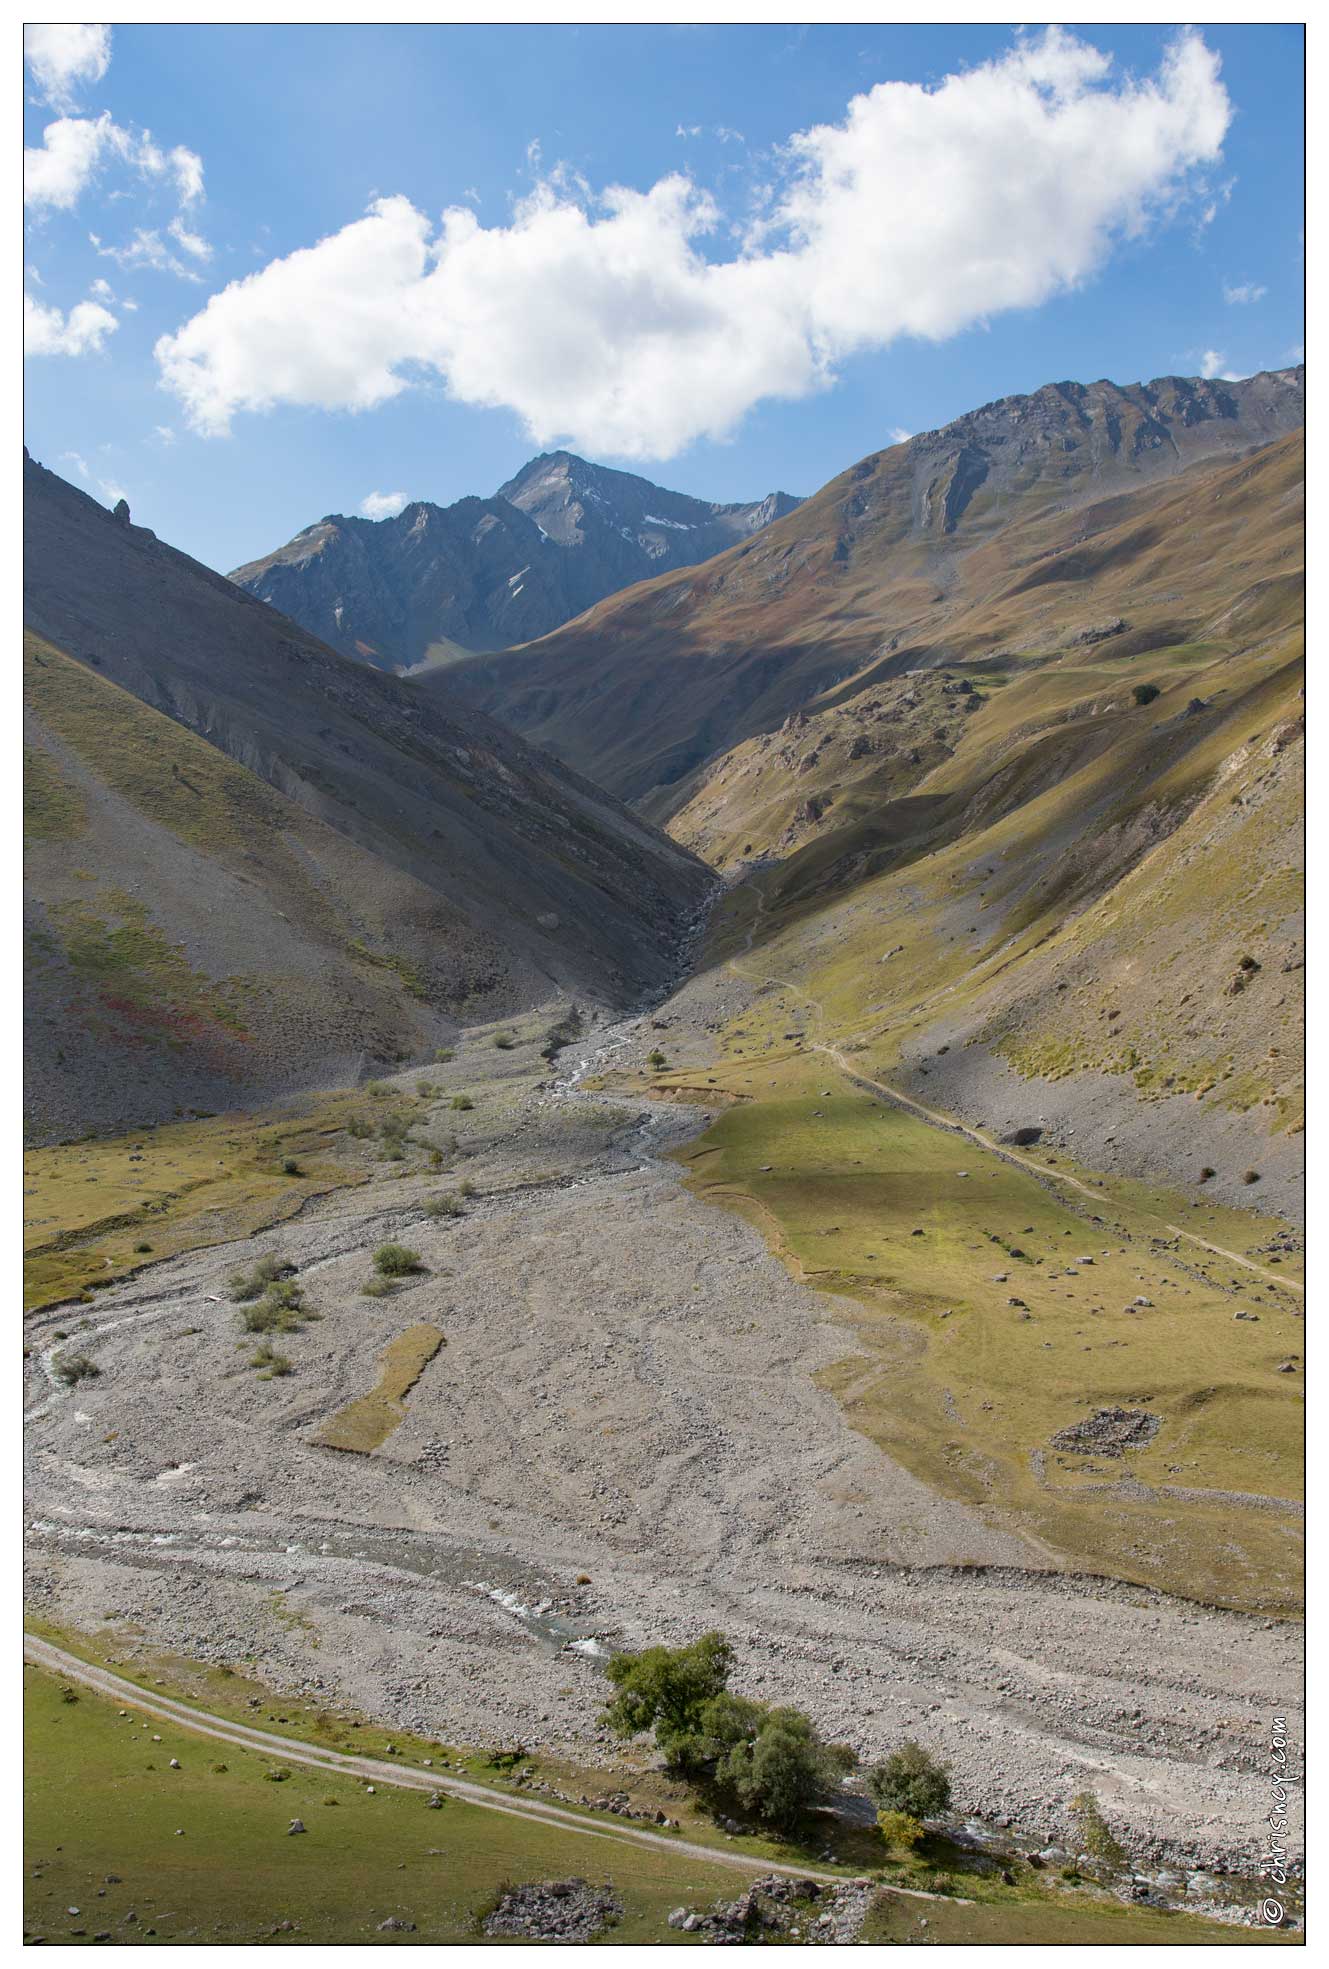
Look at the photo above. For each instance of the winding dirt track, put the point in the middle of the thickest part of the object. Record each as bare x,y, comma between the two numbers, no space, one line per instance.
243,1737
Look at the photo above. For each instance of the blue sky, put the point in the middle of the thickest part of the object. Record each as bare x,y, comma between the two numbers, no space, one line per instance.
764,307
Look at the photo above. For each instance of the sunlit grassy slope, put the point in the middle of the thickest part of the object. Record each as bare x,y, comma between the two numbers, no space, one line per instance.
998,1306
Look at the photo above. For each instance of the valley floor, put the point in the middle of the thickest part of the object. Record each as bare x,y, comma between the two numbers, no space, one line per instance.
628,1436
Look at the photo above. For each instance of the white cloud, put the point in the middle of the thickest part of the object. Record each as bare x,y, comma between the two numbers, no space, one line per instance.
101,290
60,58
192,242
1212,363
147,248
73,149
382,505
688,130
900,436
1244,295
163,434
49,332
603,323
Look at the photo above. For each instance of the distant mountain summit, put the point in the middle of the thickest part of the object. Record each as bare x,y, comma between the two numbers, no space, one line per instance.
485,574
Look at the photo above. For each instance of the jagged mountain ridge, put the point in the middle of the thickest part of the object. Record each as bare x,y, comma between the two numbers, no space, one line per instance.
649,686
484,574
360,868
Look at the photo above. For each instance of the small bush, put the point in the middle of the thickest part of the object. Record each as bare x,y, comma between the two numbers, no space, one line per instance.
290,1167
466,1187
395,1261
140,1248
378,1089
435,1158
900,1830
377,1288
276,1777
392,1151
462,1102
1251,1176
426,1090
504,1041
254,1283
282,1309
911,1781
1207,1174
396,1126
1145,693
360,1127
446,1205
70,1368
443,1054
656,1059
270,1363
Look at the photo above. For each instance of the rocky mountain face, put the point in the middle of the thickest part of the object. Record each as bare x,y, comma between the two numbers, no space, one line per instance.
256,866
884,562
484,574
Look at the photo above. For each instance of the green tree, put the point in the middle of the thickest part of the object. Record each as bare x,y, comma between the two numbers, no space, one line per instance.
665,1690
784,1767
911,1780
773,1762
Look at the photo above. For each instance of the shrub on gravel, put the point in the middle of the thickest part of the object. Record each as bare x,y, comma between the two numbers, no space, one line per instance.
443,1054
504,1041
255,1282
1144,693
377,1288
912,1781
395,1261
462,1102
379,1089
282,1309
446,1205
360,1127
270,1363
71,1368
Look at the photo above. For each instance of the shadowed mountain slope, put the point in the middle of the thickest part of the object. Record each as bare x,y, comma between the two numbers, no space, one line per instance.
897,563
257,865
483,573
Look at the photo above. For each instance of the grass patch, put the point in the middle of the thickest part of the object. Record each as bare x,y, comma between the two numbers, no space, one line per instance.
363,1424
193,1183
93,1809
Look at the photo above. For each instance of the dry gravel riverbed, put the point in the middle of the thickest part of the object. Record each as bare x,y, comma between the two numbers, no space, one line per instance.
626,1392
